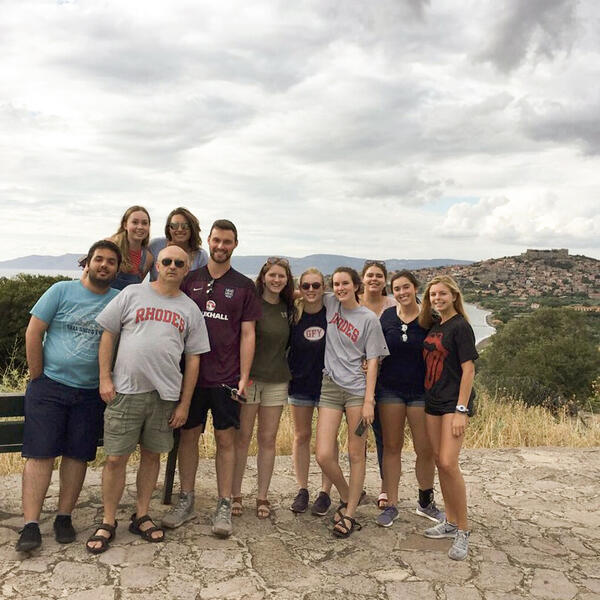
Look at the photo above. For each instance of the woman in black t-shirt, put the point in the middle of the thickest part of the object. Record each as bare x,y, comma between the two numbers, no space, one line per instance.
449,351
306,359
400,395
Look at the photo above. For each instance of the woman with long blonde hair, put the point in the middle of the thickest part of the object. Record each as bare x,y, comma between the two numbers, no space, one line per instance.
132,239
449,352
306,359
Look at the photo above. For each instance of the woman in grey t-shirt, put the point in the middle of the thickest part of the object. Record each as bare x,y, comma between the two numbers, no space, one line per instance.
353,334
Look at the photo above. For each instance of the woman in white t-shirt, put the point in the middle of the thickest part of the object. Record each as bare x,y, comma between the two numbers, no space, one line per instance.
353,335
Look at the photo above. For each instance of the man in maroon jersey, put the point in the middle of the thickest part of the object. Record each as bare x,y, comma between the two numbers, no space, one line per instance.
230,306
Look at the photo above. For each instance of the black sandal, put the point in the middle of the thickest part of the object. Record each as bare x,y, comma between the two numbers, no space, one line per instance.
104,541
354,524
145,534
338,513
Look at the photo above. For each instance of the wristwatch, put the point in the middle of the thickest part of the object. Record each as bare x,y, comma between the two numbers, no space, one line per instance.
461,408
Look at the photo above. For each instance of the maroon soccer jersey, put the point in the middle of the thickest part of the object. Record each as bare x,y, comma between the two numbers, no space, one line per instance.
225,303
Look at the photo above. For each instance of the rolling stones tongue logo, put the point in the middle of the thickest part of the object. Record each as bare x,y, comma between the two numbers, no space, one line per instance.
434,354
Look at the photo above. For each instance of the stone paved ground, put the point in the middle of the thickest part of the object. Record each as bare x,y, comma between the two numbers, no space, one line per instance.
536,535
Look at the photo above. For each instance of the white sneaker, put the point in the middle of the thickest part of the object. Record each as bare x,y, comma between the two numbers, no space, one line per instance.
441,530
460,547
182,512
222,526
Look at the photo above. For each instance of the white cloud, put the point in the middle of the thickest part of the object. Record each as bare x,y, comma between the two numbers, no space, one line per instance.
318,126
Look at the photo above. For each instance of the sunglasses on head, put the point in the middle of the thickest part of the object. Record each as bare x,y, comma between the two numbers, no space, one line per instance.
315,285
176,226
277,260
166,262
374,263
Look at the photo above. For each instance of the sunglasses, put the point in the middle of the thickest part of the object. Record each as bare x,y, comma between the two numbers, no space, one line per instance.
166,262
176,226
277,260
316,285
374,263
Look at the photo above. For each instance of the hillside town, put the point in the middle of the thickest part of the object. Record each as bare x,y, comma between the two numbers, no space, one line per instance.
532,274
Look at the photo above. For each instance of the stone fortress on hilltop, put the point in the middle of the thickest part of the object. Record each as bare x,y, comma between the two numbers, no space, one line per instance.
554,253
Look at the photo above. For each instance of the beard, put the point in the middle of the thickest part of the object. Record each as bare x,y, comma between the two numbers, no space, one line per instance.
101,283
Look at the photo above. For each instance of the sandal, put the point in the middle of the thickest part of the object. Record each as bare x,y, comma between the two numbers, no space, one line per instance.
146,534
382,501
236,506
346,531
338,511
263,508
104,541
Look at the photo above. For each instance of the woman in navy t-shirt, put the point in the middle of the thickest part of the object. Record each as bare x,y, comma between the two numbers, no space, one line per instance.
306,359
400,395
449,351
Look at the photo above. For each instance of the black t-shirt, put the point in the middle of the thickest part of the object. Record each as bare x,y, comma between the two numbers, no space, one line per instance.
225,304
403,371
445,348
307,354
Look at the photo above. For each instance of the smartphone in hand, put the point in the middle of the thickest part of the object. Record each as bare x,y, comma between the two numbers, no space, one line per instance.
234,393
360,428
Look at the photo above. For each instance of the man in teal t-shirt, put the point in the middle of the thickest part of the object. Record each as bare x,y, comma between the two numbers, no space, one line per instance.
63,409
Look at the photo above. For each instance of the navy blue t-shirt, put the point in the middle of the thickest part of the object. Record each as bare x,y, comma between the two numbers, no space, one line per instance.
403,371
307,354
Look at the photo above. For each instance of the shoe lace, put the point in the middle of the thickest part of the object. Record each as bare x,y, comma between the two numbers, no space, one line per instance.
223,511
462,540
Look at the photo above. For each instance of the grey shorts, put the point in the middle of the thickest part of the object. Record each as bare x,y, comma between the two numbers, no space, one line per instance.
333,396
138,418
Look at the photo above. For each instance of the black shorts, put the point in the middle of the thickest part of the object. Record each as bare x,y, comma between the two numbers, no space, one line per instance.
61,420
437,408
225,411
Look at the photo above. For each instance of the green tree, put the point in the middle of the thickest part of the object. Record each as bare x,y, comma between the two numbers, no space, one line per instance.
17,296
552,351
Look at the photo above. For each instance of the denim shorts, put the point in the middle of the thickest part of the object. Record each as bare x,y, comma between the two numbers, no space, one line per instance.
311,400
61,420
138,418
384,395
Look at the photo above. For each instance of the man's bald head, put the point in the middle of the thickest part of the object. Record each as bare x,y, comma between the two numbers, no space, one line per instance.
172,265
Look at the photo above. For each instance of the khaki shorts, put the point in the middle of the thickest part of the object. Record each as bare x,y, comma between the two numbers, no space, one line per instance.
333,396
267,394
138,418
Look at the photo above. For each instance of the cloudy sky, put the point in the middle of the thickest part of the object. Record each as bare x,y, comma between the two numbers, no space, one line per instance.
393,129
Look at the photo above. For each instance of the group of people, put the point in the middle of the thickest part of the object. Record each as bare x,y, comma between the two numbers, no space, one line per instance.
131,360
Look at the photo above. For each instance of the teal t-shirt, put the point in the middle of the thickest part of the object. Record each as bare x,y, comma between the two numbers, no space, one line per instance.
72,338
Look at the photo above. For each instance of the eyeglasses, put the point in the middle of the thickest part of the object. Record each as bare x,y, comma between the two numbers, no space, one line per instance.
166,262
277,260
209,287
404,334
176,226
315,285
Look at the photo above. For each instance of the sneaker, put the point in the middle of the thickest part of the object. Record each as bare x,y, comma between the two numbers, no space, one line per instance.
30,539
300,503
431,511
441,530
182,512
222,526
321,505
387,517
460,547
64,532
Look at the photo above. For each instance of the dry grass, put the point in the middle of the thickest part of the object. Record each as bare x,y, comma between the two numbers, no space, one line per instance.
499,423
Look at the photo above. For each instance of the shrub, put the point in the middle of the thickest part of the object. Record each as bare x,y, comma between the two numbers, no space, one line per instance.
17,297
547,358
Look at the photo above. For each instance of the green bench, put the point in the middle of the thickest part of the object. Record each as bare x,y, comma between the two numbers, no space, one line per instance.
11,436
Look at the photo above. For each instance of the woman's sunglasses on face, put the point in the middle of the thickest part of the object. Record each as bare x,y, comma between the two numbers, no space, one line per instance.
315,285
166,262
176,226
